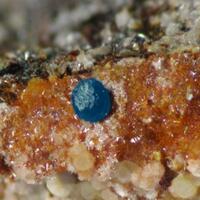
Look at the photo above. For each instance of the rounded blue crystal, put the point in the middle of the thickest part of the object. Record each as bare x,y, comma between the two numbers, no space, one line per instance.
91,100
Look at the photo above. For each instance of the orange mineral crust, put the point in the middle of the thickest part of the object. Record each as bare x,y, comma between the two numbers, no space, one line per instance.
156,110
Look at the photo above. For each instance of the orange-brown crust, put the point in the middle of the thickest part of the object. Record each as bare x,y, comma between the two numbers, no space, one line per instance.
160,112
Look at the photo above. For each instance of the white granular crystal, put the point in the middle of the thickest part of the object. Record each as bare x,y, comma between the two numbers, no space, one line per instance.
183,187
76,193
97,185
122,18
172,29
85,96
165,20
157,64
148,177
194,167
187,13
104,172
147,120
87,191
20,190
5,111
85,59
81,158
108,195
151,195
189,95
120,190
123,171
61,185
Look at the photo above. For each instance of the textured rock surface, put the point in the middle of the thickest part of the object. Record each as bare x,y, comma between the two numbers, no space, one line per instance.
146,54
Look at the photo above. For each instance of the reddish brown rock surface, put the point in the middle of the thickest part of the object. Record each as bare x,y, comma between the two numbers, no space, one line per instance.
156,108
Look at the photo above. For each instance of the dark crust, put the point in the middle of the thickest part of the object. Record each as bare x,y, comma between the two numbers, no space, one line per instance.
4,168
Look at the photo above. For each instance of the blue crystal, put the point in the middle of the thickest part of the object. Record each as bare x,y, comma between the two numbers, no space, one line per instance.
91,100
